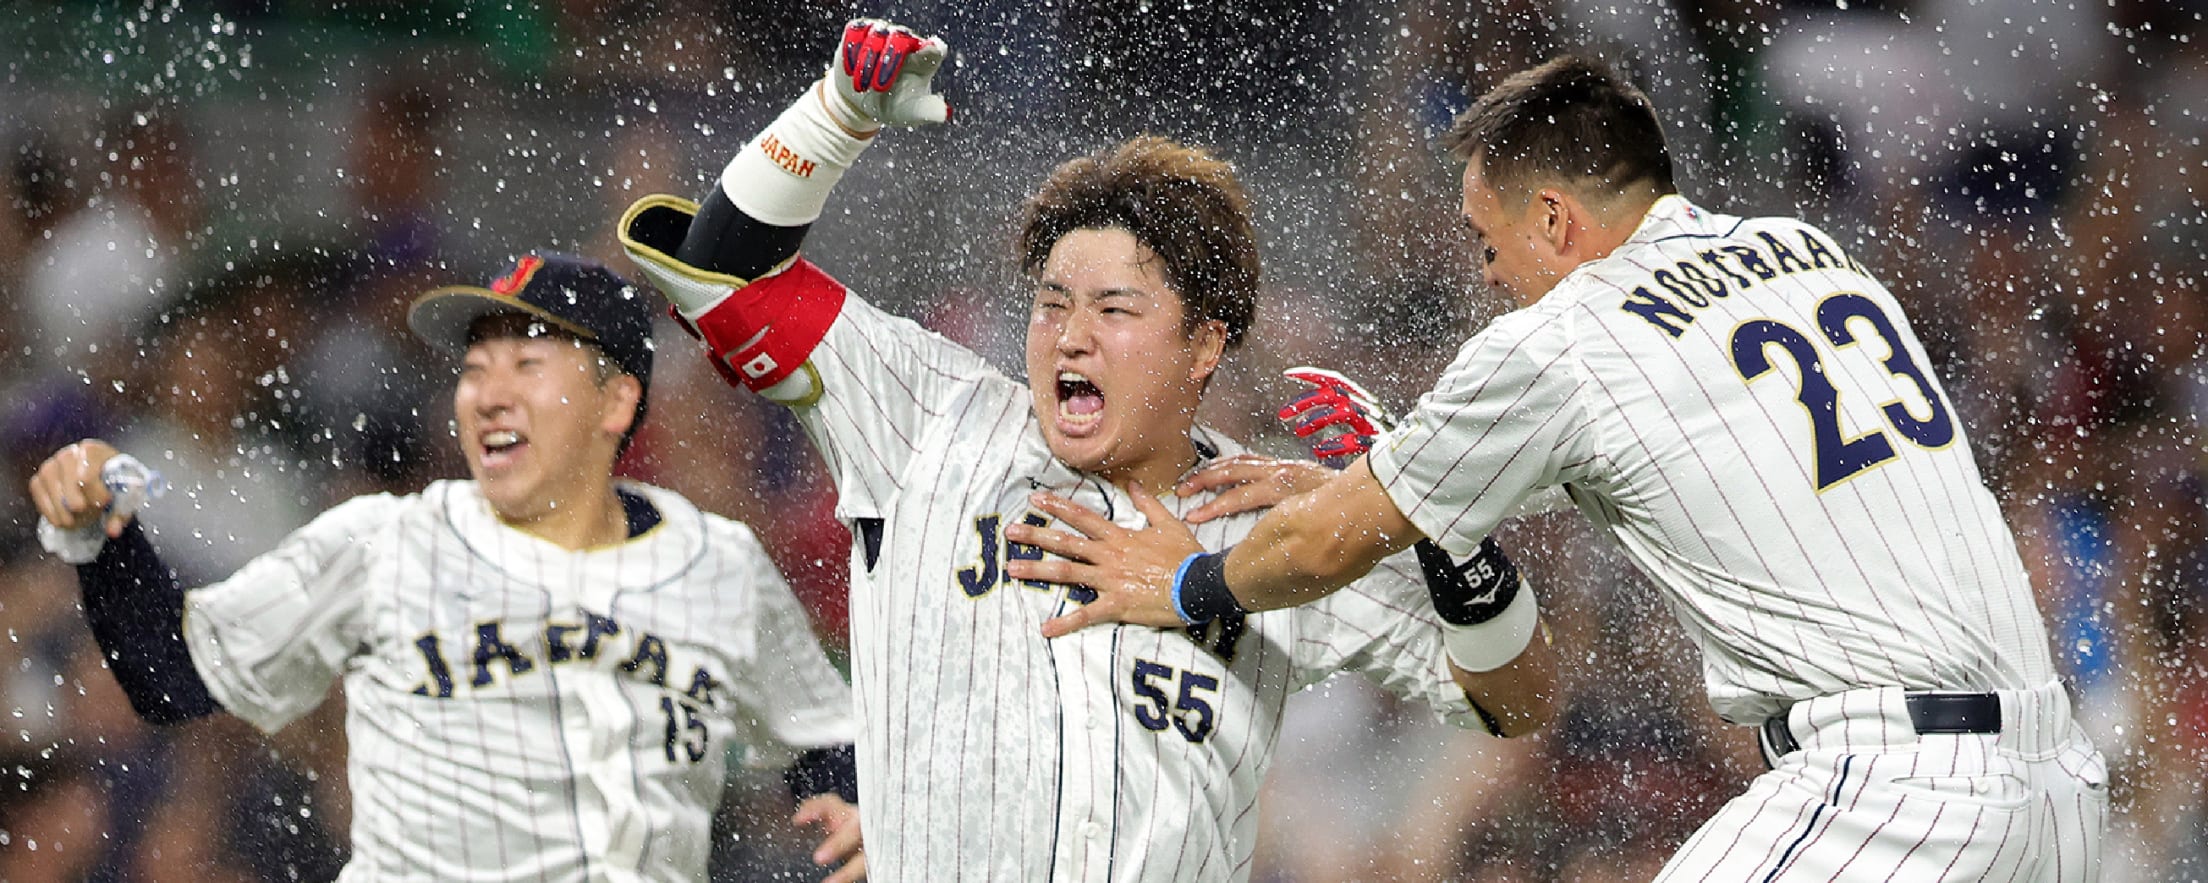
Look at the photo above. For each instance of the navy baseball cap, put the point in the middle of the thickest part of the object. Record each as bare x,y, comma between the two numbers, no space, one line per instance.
574,295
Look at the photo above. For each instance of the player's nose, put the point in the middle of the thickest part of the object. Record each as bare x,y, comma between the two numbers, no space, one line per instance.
1075,332
493,391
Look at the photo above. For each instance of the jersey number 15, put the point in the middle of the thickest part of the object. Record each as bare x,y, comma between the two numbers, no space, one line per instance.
1838,456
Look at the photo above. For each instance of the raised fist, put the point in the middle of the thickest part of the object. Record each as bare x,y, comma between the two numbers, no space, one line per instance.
1334,403
884,73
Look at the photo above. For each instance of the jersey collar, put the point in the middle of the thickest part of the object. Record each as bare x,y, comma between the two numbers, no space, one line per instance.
642,562
1670,215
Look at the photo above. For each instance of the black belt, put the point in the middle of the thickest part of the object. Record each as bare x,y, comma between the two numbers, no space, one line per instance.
1929,714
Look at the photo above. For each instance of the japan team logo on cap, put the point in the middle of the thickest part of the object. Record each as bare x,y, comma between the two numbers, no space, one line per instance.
512,283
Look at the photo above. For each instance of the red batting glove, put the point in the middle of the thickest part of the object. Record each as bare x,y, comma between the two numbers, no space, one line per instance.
1338,404
886,73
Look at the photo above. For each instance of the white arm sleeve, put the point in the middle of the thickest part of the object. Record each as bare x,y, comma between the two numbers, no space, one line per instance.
269,640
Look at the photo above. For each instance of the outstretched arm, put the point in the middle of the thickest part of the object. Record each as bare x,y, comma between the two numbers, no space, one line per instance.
132,601
756,216
136,609
726,261
1314,543
1340,420
1300,551
1485,606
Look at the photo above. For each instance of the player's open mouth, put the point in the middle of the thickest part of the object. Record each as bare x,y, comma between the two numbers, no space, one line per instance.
501,447
1080,403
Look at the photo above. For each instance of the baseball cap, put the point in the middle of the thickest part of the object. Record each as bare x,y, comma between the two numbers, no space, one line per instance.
574,295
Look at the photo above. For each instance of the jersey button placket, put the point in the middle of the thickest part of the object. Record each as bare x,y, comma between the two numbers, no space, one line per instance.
1086,664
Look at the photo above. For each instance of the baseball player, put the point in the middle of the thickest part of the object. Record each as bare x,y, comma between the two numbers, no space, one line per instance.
1749,413
988,753
544,668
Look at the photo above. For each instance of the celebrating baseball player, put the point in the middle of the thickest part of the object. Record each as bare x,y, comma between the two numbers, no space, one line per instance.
987,752
544,668
1749,413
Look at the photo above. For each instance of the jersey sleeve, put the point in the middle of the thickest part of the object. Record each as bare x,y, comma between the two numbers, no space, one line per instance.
790,697
269,640
1384,627
885,383
1504,421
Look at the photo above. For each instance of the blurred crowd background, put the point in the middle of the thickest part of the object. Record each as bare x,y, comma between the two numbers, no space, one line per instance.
216,212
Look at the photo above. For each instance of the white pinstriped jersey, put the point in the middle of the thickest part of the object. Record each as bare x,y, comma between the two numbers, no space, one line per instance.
518,711
1814,535
990,753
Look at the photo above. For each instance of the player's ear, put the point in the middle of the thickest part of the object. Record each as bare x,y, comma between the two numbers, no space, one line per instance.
1555,215
1210,341
623,391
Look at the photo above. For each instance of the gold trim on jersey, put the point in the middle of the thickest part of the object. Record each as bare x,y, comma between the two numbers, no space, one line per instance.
815,390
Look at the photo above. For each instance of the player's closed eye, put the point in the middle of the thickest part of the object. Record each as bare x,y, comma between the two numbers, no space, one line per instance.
1477,239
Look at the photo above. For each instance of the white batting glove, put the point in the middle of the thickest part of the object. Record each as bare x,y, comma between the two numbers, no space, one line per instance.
881,74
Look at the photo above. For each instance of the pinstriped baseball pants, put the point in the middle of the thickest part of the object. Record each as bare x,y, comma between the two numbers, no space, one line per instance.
1867,798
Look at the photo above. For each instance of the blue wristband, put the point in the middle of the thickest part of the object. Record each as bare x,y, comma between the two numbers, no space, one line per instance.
1180,581
1200,592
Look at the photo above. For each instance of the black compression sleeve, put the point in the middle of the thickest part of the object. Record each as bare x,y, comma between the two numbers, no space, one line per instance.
824,771
136,608
725,240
